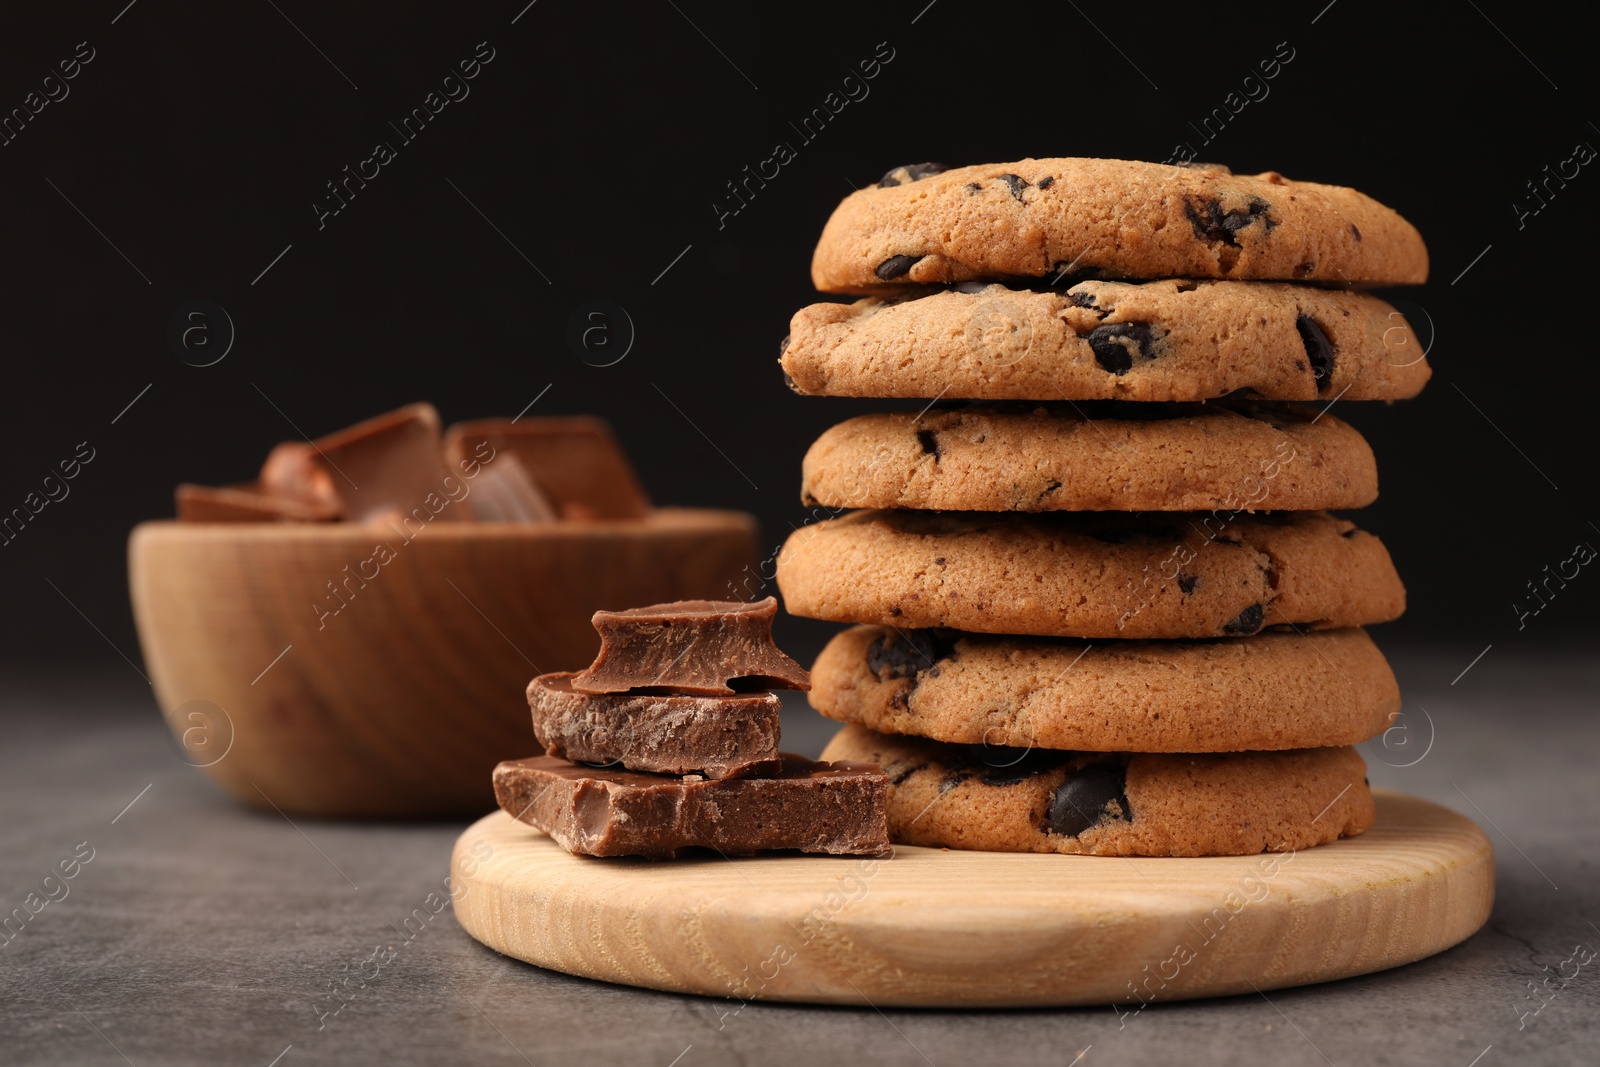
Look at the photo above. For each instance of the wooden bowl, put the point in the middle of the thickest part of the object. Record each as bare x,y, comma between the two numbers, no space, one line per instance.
341,670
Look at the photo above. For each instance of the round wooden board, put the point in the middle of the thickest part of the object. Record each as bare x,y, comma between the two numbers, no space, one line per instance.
937,928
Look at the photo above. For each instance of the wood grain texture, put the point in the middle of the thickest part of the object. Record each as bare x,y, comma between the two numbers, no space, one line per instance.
935,928
402,684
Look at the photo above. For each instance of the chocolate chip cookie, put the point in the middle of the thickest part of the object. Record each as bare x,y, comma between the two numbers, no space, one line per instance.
1094,456
995,799
1044,218
1065,574
1272,691
1105,340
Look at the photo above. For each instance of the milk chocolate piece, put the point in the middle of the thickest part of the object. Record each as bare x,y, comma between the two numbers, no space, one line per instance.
837,808
293,472
575,461
699,647
503,492
386,464
718,737
243,503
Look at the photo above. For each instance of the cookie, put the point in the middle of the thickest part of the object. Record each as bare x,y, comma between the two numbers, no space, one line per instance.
1066,574
1103,340
1094,456
1109,218
1272,691
995,799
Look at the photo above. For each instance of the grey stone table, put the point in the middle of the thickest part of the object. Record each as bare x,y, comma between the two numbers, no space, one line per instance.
197,931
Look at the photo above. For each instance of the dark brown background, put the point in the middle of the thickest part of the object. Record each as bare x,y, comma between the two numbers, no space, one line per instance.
198,138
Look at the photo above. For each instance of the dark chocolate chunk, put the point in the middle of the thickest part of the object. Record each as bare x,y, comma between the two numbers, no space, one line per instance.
1355,231
909,173
690,647
974,187
838,808
1212,223
1115,344
929,442
1319,350
783,346
1187,582
1248,621
911,652
1047,181
1090,796
1002,765
895,266
1015,184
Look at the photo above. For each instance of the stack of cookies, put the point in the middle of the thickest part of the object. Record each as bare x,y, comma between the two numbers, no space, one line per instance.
669,742
1101,604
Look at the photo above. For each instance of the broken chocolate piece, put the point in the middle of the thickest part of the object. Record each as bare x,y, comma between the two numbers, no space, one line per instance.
718,737
575,461
293,472
1090,796
244,503
837,808
503,492
692,647
386,464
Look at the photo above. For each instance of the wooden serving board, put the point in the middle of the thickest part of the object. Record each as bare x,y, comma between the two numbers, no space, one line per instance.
937,928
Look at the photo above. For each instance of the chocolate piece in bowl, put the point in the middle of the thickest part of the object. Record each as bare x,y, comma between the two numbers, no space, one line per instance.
390,463
574,460
504,492
243,503
714,736
837,808
704,647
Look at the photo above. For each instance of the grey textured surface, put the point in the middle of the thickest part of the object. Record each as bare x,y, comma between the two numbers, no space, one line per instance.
202,932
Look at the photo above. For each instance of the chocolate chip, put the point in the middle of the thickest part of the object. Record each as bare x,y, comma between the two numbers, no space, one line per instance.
911,652
1355,231
938,561
1248,621
790,382
929,442
1047,181
911,172
1350,532
1002,765
1015,184
783,346
901,776
1319,350
1187,582
1116,344
1081,299
1090,796
895,266
974,187
1212,223
1304,270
